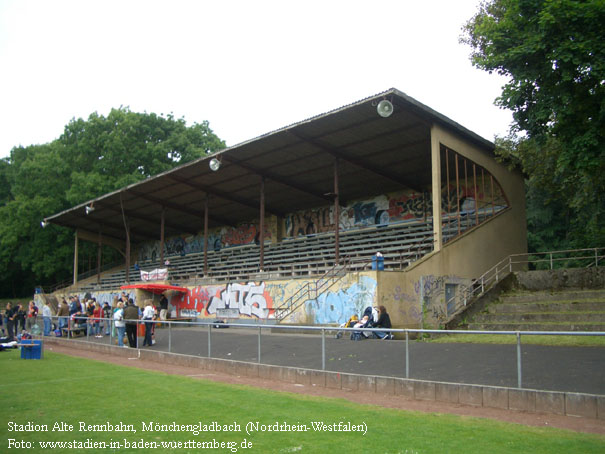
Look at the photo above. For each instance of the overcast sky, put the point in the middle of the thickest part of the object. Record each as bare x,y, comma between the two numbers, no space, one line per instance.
248,67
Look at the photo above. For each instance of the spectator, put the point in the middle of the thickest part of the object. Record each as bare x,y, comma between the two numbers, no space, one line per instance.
32,315
384,321
63,314
148,316
107,317
11,320
118,317
97,314
46,318
163,307
131,315
21,314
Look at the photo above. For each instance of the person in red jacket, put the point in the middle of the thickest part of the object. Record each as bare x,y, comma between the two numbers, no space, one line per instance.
97,314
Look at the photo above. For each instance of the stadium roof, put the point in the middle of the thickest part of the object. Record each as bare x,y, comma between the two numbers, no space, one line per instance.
376,155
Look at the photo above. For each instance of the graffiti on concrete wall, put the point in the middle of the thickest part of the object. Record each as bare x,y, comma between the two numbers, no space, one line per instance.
309,222
409,206
434,293
249,300
406,305
338,306
217,239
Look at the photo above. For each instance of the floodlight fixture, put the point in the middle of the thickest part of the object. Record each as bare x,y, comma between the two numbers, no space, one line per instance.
214,164
385,108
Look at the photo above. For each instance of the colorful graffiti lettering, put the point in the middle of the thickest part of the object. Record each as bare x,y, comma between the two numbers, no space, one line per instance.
249,299
310,222
338,306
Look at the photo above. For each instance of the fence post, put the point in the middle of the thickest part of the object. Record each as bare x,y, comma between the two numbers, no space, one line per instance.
259,333
596,257
519,373
407,355
169,336
550,254
323,349
510,264
209,340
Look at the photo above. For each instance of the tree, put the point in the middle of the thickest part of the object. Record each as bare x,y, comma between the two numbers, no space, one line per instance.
553,53
91,158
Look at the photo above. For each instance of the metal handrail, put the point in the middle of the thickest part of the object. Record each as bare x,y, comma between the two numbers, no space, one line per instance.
323,330
503,268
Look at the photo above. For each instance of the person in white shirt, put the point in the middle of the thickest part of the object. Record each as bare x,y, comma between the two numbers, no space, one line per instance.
46,315
120,324
148,316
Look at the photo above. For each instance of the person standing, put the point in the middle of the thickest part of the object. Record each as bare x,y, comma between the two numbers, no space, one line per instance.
97,315
46,315
148,315
32,315
163,307
107,317
63,314
11,319
21,315
118,317
131,315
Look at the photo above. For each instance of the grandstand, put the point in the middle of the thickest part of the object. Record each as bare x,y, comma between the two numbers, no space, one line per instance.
288,227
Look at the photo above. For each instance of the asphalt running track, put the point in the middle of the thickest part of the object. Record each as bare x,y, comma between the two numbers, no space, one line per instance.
571,369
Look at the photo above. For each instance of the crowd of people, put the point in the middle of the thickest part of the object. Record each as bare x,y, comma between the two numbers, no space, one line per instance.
88,316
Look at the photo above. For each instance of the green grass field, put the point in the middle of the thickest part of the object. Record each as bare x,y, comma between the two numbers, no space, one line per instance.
61,390
558,341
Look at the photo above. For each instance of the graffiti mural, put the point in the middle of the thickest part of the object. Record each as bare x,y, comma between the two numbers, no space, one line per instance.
409,206
338,306
249,300
309,222
217,239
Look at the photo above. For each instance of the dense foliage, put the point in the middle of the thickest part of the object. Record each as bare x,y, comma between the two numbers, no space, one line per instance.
553,53
92,157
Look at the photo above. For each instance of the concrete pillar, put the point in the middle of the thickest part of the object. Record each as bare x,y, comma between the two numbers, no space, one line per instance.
436,189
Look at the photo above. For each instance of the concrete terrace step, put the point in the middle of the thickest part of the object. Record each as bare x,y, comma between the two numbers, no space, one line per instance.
537,326
569,317
569,295
569,306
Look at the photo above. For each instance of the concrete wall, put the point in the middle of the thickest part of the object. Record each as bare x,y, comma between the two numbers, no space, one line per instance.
527,400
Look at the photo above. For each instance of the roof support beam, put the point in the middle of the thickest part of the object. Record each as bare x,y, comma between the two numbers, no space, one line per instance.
130,214
221,194
342,154
277,179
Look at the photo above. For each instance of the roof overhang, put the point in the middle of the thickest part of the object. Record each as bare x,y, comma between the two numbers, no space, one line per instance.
375,156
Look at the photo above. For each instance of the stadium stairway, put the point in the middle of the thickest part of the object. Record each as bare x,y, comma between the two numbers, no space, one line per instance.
564,310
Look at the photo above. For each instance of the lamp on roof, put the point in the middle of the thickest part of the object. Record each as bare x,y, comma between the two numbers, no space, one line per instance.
385,108
90,209
43,224
214,164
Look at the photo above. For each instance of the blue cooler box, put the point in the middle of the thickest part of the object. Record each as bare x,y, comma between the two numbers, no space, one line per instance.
33,352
